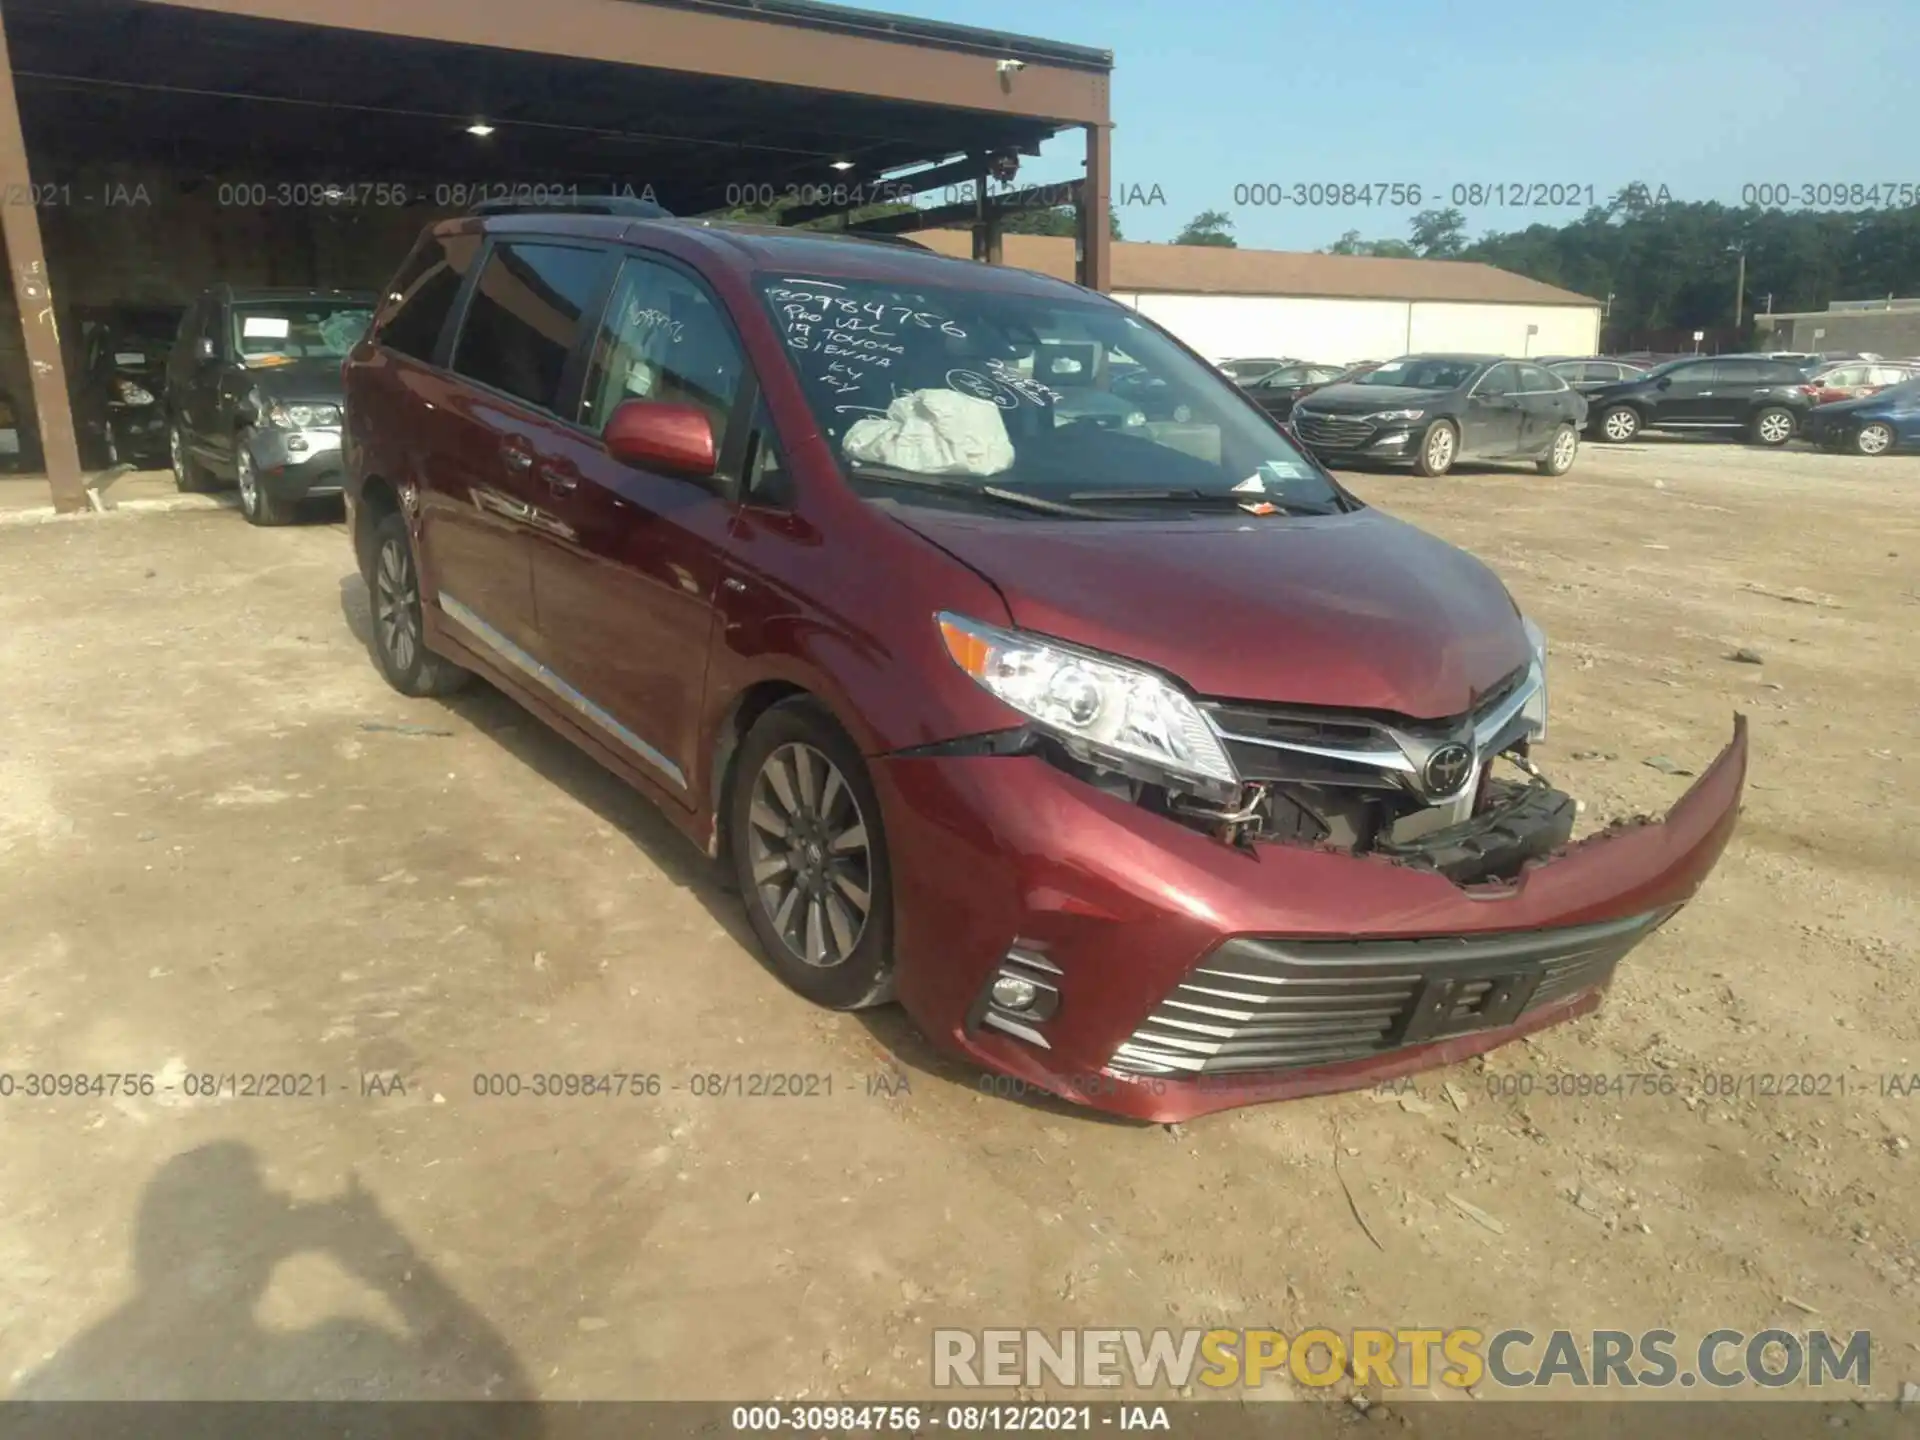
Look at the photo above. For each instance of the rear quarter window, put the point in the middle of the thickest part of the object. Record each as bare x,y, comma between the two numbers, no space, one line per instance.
422,294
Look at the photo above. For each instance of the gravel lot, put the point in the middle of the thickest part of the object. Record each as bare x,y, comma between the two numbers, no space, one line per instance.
226,849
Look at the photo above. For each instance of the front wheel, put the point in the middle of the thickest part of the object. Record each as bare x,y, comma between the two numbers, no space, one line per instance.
810,857
1774,425
1620,424
1438,447
1559,457
1874,439
399,637
259,504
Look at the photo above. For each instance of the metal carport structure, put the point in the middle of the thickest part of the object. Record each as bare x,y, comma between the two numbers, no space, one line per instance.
219,103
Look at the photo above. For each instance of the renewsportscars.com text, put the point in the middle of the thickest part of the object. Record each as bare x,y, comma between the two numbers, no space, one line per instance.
1401,1357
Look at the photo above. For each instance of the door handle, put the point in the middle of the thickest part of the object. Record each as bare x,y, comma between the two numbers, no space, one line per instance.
516,453
560,478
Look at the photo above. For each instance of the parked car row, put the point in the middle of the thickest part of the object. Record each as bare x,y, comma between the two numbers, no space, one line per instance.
1768,399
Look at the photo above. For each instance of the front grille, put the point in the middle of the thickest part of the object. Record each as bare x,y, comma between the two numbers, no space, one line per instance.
1332,432
1280,1004
1357,749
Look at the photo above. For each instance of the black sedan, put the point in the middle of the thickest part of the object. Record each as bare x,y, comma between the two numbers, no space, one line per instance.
1277,391
1432,410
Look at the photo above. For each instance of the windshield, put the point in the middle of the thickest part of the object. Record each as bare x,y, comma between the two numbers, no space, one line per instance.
1063,401
278,333
1417,373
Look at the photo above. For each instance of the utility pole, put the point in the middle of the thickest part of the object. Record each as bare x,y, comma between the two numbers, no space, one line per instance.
1739,292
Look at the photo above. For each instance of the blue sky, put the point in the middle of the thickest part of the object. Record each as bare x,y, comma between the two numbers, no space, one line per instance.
1703,96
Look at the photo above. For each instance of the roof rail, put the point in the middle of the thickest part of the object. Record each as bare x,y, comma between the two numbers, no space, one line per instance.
884,239
627,205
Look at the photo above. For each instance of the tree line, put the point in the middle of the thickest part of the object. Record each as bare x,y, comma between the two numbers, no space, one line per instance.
1661,264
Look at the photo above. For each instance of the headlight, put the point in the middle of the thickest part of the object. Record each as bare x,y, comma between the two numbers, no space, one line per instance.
1382,416
1135,417
125,392
1535,710
1100,707
301,417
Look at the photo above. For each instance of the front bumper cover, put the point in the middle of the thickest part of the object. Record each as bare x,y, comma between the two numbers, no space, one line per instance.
995,856
294,464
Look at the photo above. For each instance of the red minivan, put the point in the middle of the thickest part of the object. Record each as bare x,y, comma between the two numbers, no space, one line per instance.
1136,758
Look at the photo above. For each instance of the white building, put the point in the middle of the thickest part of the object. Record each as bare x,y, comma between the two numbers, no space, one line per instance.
1228,302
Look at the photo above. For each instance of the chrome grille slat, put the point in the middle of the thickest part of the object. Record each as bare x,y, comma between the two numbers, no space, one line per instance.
1273,1004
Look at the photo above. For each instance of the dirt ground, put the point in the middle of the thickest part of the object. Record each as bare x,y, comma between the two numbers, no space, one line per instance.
227,849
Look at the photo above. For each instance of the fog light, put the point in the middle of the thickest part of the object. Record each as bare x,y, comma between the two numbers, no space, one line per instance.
1011,992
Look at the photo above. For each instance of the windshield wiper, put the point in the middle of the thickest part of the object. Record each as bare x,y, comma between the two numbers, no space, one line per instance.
1190,497
953,485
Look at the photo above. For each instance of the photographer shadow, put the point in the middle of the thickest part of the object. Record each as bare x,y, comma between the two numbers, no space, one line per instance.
207,1241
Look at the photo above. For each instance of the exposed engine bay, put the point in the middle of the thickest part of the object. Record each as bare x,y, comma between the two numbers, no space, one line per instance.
1423,793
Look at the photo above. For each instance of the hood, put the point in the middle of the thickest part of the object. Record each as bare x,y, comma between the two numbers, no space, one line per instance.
1359,611
299,380
1365,399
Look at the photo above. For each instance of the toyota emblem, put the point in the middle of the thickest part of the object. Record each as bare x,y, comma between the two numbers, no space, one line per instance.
1447,768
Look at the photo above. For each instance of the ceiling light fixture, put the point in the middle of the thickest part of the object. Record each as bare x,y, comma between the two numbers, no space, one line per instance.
840,165
480,128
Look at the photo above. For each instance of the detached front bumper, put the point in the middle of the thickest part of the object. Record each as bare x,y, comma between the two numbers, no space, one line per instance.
294,464
1178,975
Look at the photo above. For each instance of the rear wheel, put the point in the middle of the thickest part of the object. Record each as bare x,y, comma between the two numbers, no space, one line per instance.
811,858
1874,439
399,639
1559,457
1438,448
188,477
1774,425
1620,424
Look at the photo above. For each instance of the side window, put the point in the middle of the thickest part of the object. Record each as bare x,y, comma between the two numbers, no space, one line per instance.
1500,380
1601,371
1705,373
1534,380
663,338
423,293
527,312
1850,375
1742,372
1885,375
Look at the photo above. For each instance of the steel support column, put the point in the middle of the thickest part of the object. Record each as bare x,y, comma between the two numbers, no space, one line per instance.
33,294
1094,253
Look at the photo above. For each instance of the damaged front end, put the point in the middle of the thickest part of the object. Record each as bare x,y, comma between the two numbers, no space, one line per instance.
1458,796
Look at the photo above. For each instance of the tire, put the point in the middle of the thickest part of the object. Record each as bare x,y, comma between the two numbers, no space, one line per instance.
1618,424
1874,438
259,504
399,638
805,850
1774,426
1560,454
1439,448
188,476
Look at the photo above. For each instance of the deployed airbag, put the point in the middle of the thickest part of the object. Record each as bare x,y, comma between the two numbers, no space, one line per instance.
933,432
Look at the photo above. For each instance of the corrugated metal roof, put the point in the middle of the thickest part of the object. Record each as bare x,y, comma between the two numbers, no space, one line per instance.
1221,270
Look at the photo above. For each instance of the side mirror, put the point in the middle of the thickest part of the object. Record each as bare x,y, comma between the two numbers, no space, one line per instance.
655,435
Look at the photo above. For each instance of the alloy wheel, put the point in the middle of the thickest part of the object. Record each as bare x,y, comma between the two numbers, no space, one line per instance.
1621,425
249,482
1563,447
812,865
1440,447
396,605
1875,439
1776,427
